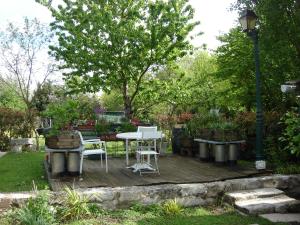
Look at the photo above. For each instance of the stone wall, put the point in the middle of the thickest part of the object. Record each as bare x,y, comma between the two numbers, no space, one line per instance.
186,194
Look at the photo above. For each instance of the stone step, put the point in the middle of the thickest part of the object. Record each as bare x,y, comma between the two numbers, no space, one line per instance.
231,197
282,217
275,204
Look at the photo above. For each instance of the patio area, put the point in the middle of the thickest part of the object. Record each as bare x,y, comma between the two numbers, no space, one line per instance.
174,169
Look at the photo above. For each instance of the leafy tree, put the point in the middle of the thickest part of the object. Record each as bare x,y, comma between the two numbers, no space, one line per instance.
114,44
186,86
23,61
279,29
10,99
236,65
22,57
112,101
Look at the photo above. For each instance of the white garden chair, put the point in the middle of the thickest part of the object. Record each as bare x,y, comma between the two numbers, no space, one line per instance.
147,129
98,151
146,147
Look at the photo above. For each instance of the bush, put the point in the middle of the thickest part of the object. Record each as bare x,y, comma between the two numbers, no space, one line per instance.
291,133
37,211
64,114
73,206
171,207
15,124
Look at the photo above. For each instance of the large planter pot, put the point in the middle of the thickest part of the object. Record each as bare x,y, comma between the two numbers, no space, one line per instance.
203,151
73,163
206,133
218,135
220,153
65,140
233,153
188,146
232,135
57,164
176,134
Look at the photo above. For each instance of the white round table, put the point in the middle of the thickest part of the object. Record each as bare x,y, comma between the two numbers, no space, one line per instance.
129,136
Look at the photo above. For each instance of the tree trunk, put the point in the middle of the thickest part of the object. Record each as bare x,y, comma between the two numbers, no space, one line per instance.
127,102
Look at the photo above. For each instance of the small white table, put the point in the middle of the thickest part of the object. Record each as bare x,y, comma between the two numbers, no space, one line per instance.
133,136
129,136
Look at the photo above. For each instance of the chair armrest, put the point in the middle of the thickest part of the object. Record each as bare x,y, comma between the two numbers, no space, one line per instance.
92,141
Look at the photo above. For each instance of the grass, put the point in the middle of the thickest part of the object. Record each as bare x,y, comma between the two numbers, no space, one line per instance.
153,215
19,170
189,216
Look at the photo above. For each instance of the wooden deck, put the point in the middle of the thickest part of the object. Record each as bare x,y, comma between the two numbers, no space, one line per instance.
173,169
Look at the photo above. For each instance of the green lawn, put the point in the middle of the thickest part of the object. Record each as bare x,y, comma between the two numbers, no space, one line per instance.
19,170
189,216
154,215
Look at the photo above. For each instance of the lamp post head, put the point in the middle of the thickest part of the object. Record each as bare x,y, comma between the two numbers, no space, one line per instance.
248,20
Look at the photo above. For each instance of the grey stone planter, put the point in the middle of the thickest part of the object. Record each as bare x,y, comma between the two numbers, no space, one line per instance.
18,143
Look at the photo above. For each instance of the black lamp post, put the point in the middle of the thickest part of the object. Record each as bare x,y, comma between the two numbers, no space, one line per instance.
248,21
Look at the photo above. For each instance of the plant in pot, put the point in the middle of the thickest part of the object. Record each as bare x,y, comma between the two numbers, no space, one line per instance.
199,125
64,115
226,131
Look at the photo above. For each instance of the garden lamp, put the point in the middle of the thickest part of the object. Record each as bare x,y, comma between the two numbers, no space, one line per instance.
248,21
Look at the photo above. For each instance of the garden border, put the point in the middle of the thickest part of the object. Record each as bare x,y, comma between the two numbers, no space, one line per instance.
196,194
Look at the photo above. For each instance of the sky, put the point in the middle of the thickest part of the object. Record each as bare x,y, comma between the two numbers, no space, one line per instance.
214,16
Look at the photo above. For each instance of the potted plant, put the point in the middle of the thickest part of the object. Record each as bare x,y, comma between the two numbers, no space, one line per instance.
64,115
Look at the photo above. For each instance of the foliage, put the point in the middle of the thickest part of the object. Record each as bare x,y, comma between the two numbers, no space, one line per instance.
181,87
9,99
236,65
171,207
63,114
15,176
112,101
123,41
14,124
37,211
127,127
23,55
288,169
279,55
199,122
102,127
153,215
74,206
291,133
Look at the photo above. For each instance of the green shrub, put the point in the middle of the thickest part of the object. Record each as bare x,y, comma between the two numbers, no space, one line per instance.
288,169
74,206
14,124
127,127
171,207
64,114
37,211
291,133
102,127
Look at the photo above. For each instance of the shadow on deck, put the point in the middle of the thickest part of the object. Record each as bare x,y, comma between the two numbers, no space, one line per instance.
174,169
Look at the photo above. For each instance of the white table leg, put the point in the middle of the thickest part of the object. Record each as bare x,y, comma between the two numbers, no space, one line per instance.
127,158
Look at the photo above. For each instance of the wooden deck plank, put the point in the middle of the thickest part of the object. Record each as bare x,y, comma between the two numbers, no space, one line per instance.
173,169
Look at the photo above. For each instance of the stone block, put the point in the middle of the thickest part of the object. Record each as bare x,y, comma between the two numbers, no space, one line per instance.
251,194
282,217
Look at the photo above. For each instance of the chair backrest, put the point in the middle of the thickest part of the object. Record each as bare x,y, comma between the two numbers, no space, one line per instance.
80,135
146,129
151,135
149,140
